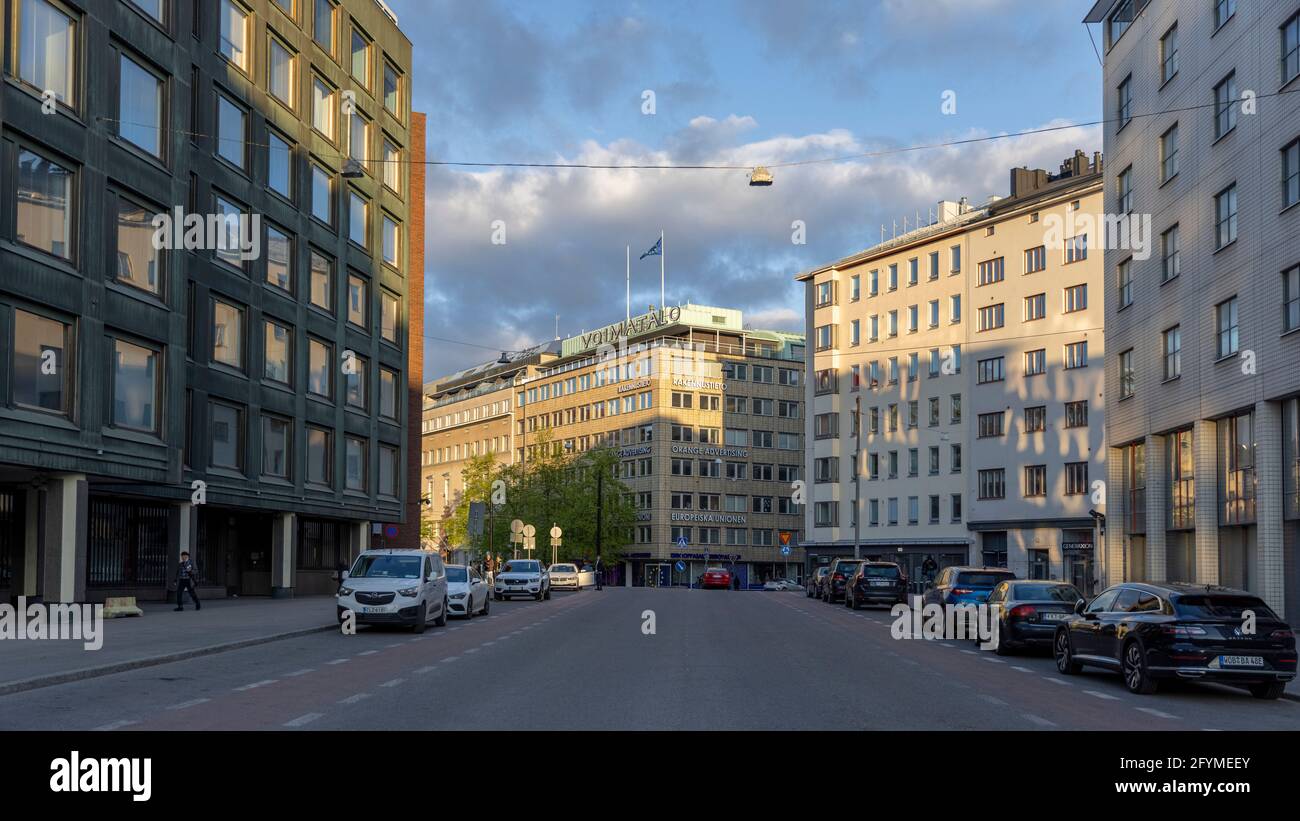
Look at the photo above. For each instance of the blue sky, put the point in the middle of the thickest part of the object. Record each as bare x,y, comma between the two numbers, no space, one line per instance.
735,82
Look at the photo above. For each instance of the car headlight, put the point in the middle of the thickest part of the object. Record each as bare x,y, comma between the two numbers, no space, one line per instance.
409,592
346,591
457,595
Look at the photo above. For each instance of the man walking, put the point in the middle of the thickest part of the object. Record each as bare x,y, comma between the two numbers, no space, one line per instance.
185,576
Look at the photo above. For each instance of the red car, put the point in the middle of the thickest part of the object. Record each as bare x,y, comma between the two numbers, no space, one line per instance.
716,577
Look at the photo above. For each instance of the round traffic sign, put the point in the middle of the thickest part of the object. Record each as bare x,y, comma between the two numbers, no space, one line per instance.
785,550
556,532
530,531
390,531
516,525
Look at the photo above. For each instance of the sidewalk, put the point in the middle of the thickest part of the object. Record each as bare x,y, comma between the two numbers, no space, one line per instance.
162,635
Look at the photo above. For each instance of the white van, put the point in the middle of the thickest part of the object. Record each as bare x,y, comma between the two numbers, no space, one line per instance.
395,587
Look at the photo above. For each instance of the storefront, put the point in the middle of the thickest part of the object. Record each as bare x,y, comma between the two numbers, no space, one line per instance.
1078,567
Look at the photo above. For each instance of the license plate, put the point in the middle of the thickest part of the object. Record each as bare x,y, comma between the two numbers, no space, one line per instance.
1055,616
1241,661
372,610
515,584
880,583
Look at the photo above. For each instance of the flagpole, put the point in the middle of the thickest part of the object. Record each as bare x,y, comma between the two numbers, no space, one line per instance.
629,283
662,305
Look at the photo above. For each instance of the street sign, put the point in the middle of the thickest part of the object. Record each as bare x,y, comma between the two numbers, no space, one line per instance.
785,540
530,531
556,532
390,531
477,513
681,566
681,542
785,550
516,526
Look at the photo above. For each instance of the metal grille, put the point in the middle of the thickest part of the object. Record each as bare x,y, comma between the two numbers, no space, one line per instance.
127,545
10,534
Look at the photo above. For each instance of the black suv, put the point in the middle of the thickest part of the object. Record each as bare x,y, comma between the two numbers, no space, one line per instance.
813,584
876,583
836,579
1148,632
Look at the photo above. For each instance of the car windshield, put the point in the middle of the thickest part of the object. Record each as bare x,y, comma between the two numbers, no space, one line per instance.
716,570
982,579
563,568
387,567
522,567
881,572
457,574
1221,607
846,569
1045,592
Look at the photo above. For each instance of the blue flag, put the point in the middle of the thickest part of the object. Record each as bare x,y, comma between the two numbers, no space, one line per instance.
656,251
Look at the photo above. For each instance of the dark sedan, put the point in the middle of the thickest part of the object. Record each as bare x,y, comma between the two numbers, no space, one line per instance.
1149,632
836,579
813,585
1029,612
876,583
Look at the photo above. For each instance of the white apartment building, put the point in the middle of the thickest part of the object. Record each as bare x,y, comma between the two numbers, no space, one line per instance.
971,352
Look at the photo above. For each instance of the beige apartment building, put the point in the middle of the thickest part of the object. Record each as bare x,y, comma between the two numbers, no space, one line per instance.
968,353
707,416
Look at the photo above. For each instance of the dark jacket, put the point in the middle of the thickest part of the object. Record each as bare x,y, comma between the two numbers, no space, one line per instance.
185,570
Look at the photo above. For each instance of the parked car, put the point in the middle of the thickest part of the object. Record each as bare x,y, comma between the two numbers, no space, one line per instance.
966,585
813,585
837,578
586,576
467,591
716,577
1029,612
1150,632
876,583
522,577
405,587
564,576
781,584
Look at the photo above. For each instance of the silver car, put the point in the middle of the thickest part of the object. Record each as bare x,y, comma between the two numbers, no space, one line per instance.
467,592
565,577
522,577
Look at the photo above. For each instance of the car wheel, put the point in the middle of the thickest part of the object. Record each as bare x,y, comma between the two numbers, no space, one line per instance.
487,604
1134,665
1003,648
548,594
1064,653
420,621
441,621
469,607
1268,690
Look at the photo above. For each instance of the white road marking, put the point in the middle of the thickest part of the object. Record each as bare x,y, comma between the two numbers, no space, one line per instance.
1021,669
1042,722
367,652
184,705
355,698
450,658
117,725
255,685
302,672
1155,712
970,652
301,720
1056,681
393,683
944,644
337,661
394,644
993,700
472,650
428,669
488,643
995,661
1106,696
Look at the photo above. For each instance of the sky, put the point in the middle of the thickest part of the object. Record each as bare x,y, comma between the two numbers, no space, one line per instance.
734,82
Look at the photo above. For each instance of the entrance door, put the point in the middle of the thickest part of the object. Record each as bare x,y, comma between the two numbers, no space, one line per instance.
243,541
1078,571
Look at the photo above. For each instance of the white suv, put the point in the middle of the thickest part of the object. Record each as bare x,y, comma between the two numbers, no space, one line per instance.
395,587
522,577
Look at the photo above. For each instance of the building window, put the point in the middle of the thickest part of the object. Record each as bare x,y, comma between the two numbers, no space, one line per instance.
322,195
1169,154
954,254
1036,419
1225,105
359,138
991,317
279,352
232,132
279,175
1076,478
1223,11
275,446
991,370
322,108
322,282
136,388
320,448
1076,298
992,483
1225,321
388,386
281,73
825,294
279,255
1182,481
1124,201
389,317
358,216
355,463
991,271
388,469
323,25
1225,209
358,304
1124,101
1076,414
360,57
1035,259
1076,355
1076,248
391,240
137,254
825,337
46,49
227,436
1291,49
1169,55
1124,273
1173,347
1126,374
1035,480
1291,299
1036,362
229,242
392,162
140,106
355,392
913,266
954,309
234,33
42,377
1291,174
1170,258
392,90
991,425
320,369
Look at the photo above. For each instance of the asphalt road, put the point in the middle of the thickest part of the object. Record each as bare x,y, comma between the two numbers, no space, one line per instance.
716,660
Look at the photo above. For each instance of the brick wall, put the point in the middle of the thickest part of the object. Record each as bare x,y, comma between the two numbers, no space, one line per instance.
410,531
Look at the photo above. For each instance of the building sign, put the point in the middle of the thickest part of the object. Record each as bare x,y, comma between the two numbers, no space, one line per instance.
632,386
638,450
699,450
1069,546
699,384
643,516
718,518
719,557
611,334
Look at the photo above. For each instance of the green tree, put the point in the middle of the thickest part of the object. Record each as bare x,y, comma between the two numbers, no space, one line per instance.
476,480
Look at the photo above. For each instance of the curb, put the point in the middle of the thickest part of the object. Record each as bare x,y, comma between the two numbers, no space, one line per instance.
38,682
